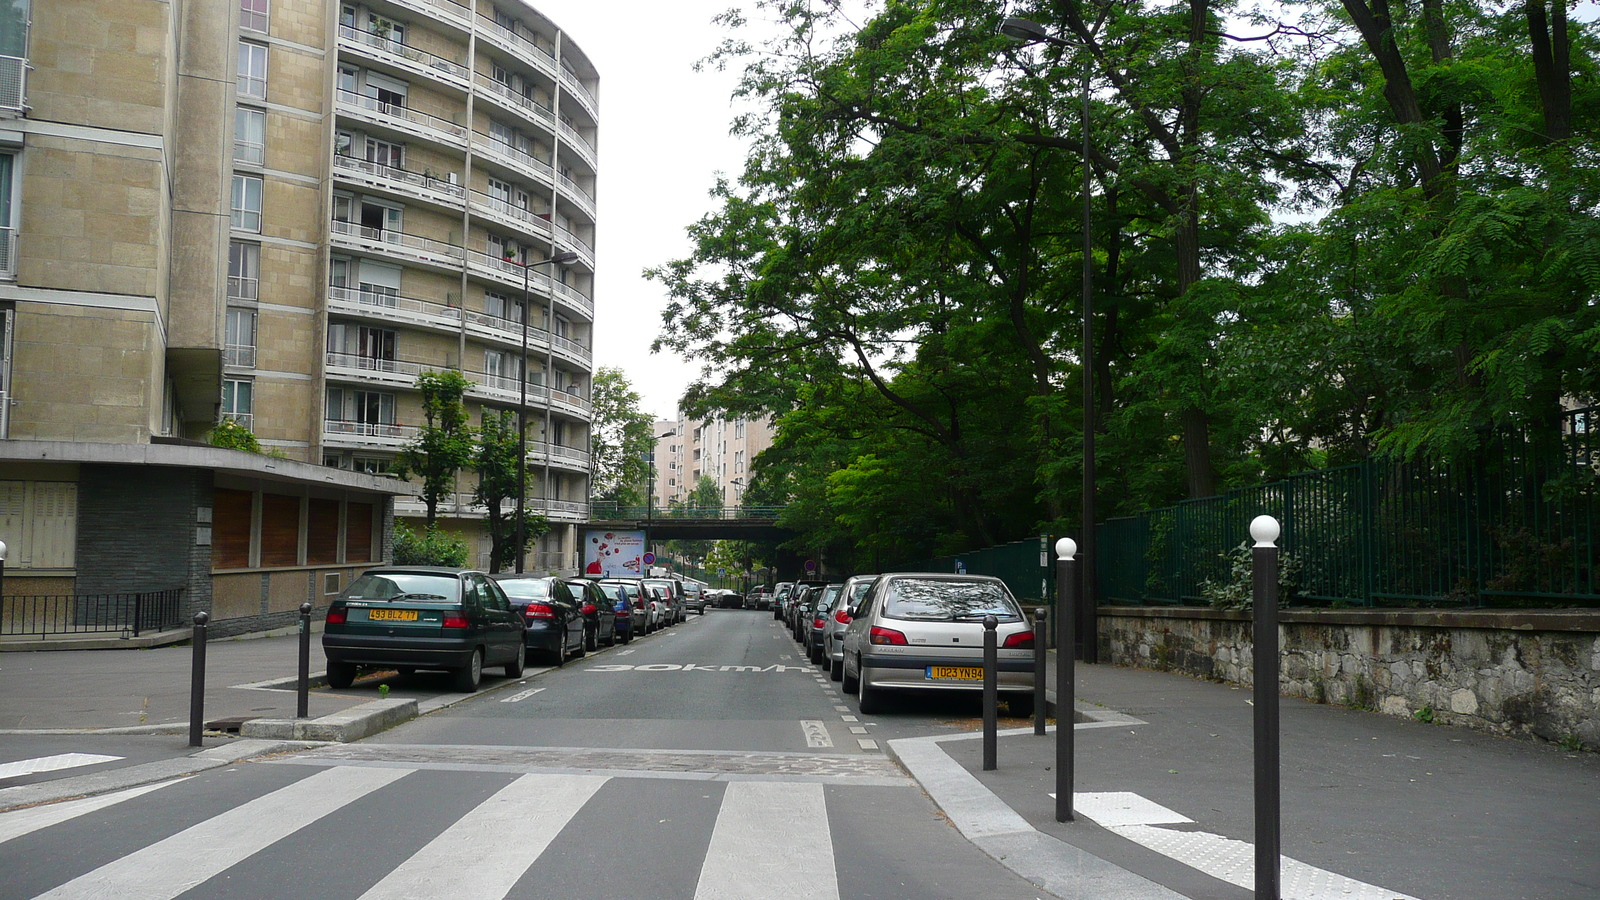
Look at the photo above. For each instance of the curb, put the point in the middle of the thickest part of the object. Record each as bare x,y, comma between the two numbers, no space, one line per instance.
351,724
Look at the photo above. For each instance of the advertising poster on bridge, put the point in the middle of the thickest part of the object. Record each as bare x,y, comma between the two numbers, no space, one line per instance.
613,554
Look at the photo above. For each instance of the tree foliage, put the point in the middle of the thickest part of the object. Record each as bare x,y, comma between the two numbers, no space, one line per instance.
499,479
444,445
622,437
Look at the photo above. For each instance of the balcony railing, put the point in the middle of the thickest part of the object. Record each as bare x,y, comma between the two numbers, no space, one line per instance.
452,12
393,307
401,181
355,362
510,274
242,288
518,45
578,142
403,118
514,157
581,91
516,101
526,219
510,331
571,297
404,56
239,355
250,153
578,195
508,389
570,241
13,85
8,254
398,242
368,434
463,504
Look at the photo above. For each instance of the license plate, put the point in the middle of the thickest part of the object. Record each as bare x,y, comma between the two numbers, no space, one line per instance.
392,615
955,673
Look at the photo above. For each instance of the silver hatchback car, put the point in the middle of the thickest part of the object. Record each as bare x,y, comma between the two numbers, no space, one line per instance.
920,631
855,588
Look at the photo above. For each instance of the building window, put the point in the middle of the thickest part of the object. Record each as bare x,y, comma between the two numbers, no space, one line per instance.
237,400
252,71
244,271
253,15
249,136
362,346
8,231
503,307
363,407
370,465
241,346
386,153
247,203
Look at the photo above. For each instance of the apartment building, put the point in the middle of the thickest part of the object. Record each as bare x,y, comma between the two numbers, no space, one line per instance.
722,449
280,212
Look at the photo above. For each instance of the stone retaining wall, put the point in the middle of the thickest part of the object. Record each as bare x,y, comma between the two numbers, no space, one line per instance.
1504,672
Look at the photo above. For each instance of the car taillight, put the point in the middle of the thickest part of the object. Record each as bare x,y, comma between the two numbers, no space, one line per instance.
885,636
455,621
588,609
819,622
638,604
842,617
539,611
336,617
1022,640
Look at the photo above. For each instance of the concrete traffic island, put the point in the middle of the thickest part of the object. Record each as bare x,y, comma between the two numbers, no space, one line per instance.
351,724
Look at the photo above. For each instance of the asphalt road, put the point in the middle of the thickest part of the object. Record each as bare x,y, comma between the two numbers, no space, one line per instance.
707,761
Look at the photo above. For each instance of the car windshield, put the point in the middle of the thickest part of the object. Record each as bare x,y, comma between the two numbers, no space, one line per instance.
947,601
406,586
526,588
613,591
829,594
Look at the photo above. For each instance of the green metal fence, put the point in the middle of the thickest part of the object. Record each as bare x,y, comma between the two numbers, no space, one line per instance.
1017,564
1515,526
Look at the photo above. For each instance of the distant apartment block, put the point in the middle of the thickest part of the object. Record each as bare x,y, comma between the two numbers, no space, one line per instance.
722,449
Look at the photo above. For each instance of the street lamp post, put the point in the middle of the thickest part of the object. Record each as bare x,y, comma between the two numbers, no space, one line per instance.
1029,32
650,490
522,407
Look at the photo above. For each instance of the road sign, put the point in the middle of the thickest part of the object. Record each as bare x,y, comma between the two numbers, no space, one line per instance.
811,565
648,558
961,567
722,570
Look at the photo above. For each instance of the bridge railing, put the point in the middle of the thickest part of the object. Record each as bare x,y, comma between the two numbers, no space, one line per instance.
603,510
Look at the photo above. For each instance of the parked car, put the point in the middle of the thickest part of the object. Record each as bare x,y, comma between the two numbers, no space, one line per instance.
780,593
554,626
599,614
661,615
694,598
639,602
918,631
423,617
799,607
674,595
855,588
618,595
816,620
760,598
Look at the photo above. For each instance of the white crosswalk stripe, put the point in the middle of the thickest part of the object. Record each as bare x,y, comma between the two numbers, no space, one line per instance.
26,821
783,869
52,763
169,867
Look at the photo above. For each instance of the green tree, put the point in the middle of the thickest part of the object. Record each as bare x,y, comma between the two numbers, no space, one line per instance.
231,435
429,547
622,437
444,446
499,477
705,496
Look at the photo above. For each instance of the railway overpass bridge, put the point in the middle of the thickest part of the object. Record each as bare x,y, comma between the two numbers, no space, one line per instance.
688,523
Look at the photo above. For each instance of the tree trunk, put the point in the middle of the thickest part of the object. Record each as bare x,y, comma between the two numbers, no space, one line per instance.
1552,66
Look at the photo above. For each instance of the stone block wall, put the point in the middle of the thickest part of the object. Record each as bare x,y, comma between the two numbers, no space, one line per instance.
1519,673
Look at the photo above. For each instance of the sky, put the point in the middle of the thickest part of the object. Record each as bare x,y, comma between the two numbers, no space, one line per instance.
663,139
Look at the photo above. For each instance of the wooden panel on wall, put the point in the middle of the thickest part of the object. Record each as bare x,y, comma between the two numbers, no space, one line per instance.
358,533
230,529
280,530
322,533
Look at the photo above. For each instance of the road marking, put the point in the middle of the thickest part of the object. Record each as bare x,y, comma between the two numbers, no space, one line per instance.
850,718
786,656
627,651
858,729
52,763
867,744
785,870
169,867
473,860
517,698
26,821
688,667
842,708
816,733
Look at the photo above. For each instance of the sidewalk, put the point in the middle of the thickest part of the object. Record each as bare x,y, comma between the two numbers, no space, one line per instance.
1373,806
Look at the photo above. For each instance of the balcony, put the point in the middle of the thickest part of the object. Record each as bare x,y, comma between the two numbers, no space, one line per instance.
446,10
578,90
569,241
8,254
462,505
367,435
580,197
13,86
398,372
398,244
510,275
393,308
515,102
404,57
402,119
239,355
506,213
514,159
517,45
423,186
507,331
505,389
579,143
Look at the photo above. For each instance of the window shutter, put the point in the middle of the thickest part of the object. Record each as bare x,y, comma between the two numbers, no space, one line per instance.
358,533
230,529
322,533
280,530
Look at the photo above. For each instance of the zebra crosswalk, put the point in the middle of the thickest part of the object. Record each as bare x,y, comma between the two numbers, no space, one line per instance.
373,830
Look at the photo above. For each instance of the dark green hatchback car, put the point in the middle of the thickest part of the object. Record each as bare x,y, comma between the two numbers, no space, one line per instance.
421,617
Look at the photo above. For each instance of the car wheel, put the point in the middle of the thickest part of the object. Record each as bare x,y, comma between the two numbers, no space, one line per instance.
611,639
515,667
341,675
405,671
583,646
848,682
1020,705
627,636
816,654
836,670
467,677
591,639
871,698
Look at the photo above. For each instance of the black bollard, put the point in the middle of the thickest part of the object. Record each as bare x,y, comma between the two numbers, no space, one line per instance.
991,694
1039,674
1264,573
303,707
197,681
1066,688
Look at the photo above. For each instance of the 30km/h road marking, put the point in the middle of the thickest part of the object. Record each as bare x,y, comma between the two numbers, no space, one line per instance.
514,698
688,667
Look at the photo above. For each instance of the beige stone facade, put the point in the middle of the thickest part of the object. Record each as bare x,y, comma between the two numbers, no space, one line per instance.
282,211
721,449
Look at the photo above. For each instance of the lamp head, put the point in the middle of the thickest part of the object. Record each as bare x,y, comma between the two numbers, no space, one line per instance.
1066,548
1025,31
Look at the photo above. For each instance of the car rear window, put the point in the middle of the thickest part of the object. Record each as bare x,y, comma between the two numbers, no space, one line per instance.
612,591
405,586
829,594
526,588
947,601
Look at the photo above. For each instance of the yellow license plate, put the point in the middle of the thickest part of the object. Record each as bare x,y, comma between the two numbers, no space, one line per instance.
955,673
392,615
